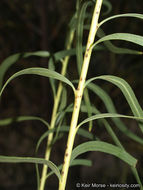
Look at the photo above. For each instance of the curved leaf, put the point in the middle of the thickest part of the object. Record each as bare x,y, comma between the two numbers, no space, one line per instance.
107,115
58,56
82,162
8,121
11,159
9,61
127,91
136,39
107,126
111,46
135,15
115,49
108,6
37,53
41,72
111,109
106,148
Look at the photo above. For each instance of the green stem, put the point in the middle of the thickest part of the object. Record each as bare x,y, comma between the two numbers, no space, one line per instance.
54,113
79,94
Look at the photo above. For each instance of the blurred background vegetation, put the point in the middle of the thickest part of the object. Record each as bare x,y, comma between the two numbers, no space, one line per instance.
27,26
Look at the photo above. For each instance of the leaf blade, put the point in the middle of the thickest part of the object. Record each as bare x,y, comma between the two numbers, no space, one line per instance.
111,109
107,115
135,15
106,148
136,39
41,72
115,49
127,92
9,61
12,159
8,121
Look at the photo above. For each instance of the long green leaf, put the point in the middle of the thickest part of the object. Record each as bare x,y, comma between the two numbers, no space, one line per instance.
37,53
41,72
136,39
106,124
111,109
135,15
117,142
106,148
8,121
115,49
111,46
82,162
9,61
108,115
11,159
114,137
127,91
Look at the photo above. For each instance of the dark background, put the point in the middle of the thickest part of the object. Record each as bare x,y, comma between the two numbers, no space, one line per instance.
42,25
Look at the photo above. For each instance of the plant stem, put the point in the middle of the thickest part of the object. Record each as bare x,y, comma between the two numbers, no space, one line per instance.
54,113
79,94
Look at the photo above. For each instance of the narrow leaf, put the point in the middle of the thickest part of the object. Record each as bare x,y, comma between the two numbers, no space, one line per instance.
106,148
134,15
111,46
8,121
127,91
115,49
9,61
107,115
136,39
41,72
111,109
51,165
